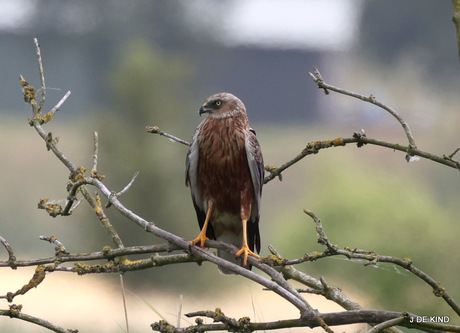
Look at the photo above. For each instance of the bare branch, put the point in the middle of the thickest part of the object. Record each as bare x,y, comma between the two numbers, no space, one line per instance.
37,278
333,294
60,248
98,209
224,323
373,258
183,244
47,117
127,187
106,254
42,75
317,77
315,146
15,311
9,249
387,324
156,130
96,152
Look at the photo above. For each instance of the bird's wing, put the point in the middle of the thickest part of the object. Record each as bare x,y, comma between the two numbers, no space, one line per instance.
191,163
191,179
256,164
191,174
256,168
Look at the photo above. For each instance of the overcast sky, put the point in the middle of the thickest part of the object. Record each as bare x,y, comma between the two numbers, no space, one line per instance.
292,24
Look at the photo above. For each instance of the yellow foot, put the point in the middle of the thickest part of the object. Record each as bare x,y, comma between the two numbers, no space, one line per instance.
246,251
201,238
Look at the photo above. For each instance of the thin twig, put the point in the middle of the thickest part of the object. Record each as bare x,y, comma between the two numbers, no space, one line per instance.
96,151
387,324
52,146
455,152
156,130
47,117
317,77
60,250
127,187
42,75
9,249
333,294
372,258
322,237
15,312
106,254
96,205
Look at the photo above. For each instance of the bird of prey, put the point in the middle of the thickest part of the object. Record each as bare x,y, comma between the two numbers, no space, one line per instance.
225,172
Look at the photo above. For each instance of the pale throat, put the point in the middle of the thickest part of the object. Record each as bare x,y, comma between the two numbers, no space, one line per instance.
232,113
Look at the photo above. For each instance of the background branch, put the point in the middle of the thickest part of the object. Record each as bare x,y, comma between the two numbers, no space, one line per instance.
15,311
330,319
318,78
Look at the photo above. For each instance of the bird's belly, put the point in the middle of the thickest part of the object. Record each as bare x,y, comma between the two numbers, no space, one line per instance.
223,178
227,228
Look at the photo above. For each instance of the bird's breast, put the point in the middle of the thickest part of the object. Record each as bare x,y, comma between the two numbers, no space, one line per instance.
223,171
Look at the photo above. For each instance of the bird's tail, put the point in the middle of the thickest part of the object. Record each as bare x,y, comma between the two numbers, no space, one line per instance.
229,257
234,240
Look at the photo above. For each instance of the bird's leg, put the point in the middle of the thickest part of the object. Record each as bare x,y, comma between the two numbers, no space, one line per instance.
245,250
246,205
202,238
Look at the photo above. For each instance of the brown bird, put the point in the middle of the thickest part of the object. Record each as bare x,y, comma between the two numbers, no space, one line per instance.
225,172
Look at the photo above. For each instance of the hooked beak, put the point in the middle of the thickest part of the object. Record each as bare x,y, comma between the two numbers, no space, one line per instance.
204,109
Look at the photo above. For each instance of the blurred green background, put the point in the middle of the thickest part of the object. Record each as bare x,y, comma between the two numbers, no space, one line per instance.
140,63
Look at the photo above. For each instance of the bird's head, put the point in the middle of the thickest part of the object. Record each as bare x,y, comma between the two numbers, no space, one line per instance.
222,105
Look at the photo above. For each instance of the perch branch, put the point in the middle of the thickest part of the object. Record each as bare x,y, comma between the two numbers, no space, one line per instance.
303,307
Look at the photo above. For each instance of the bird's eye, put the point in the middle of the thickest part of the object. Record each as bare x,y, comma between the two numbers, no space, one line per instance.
219,103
